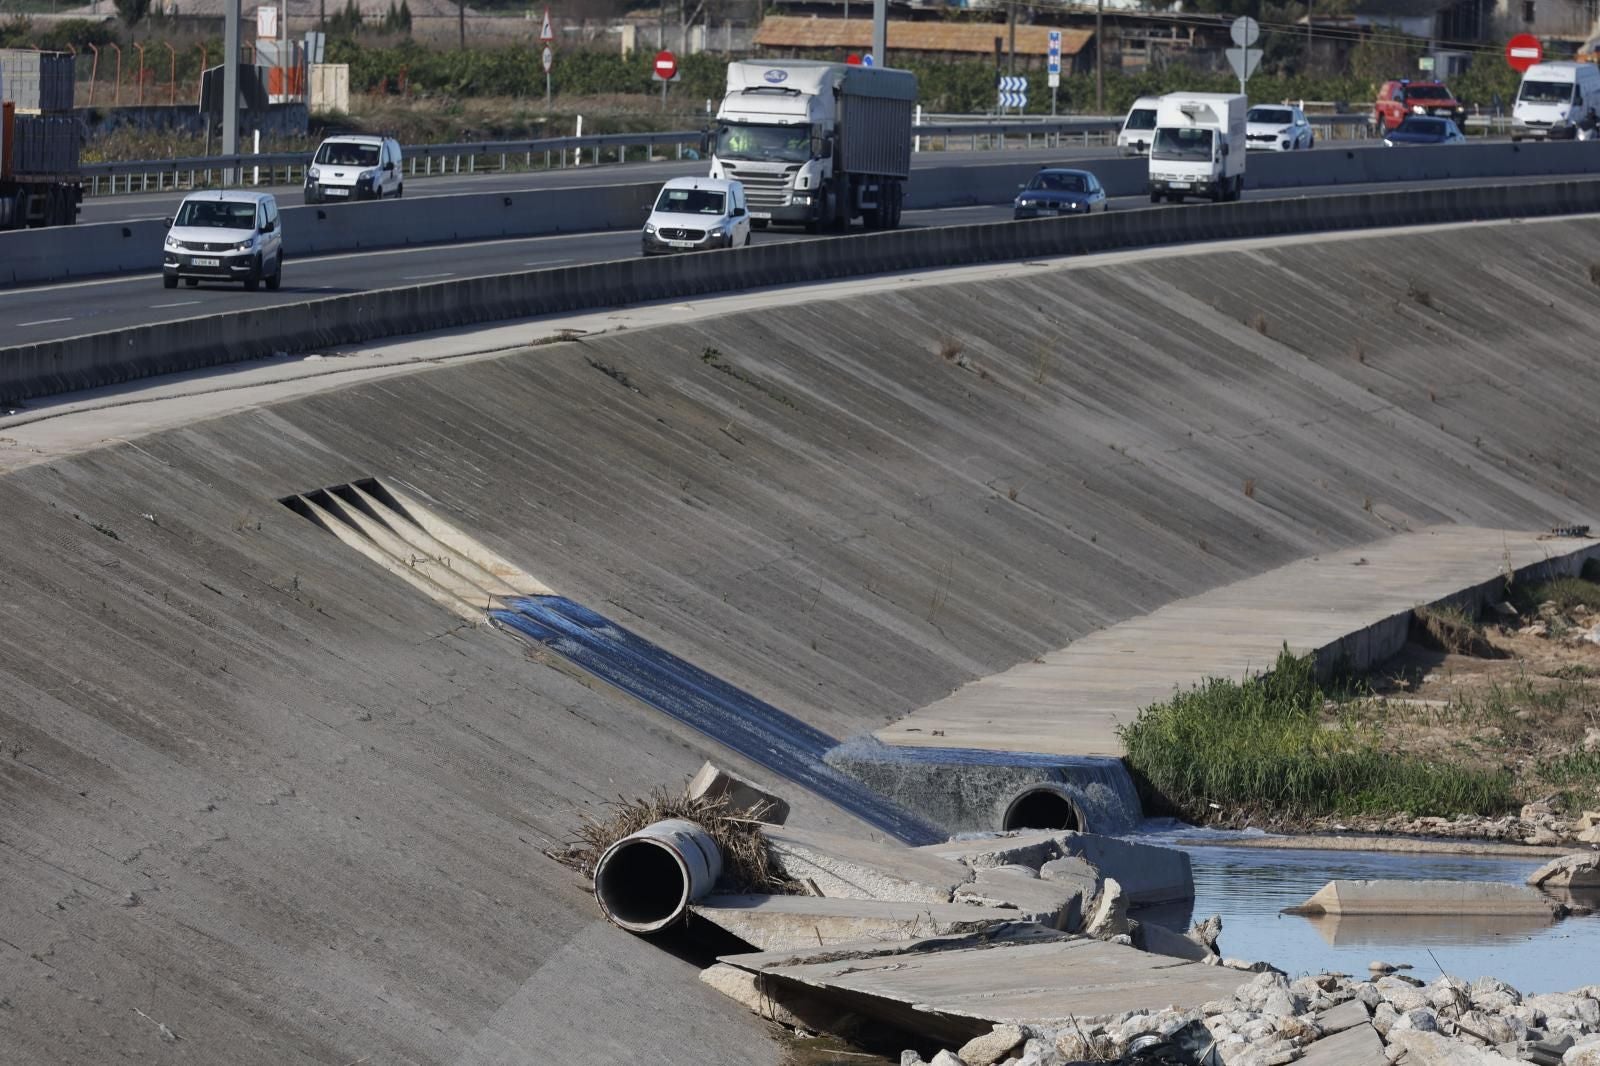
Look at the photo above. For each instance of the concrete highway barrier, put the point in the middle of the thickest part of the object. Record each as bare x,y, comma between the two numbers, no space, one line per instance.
107,358
33,256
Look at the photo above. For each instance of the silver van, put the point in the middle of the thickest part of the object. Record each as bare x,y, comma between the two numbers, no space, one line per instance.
227,235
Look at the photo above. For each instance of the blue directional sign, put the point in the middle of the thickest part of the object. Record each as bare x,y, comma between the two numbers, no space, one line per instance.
1011,91
1053,57
867,60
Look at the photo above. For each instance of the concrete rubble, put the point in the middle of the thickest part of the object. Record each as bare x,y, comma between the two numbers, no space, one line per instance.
752,801
1356,898
1573,872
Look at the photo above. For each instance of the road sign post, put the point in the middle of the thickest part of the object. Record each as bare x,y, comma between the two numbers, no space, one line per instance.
1523,51
1244,59
1011,90
1053,67
666,69
547,34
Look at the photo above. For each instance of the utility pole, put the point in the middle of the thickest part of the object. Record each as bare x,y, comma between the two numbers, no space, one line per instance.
1012,30
230,85
1099,57
1310,7
880,32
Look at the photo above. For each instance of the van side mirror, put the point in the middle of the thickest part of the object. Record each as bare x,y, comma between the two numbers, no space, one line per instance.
738,212
168,222
389,166
267,227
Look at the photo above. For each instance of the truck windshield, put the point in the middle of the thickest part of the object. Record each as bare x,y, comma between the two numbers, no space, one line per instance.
789,144
1422,94
1141,118
1546,92
690,202
1174,144
336,154
217,214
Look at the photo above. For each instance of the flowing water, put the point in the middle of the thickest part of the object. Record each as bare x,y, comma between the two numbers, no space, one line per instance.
1249,886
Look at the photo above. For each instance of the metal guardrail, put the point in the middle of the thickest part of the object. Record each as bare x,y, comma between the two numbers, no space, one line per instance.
975,133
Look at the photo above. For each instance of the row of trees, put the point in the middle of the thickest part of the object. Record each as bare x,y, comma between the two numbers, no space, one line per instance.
952,87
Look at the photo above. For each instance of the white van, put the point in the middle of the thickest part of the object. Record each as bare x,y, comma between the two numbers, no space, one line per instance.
1557,101
1138,127
355,168
697,214
226,235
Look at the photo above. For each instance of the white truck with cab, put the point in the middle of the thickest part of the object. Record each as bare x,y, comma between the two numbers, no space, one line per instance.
816,144
1199,147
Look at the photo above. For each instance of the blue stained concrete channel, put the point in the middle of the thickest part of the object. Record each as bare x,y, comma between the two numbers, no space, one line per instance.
1250,886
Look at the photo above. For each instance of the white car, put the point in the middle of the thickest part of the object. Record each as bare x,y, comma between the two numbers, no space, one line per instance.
695,215
1139,128
227,235
355,168
1277,128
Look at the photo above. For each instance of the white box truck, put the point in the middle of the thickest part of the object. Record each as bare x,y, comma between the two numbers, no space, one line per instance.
1199,147
816,144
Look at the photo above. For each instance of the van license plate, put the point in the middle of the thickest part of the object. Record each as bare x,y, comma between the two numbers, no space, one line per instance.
680,244
1177,184
336,192
207,262
761,214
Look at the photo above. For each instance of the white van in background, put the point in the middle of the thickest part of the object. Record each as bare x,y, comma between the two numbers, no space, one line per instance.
1199,147
1557,101
1138,127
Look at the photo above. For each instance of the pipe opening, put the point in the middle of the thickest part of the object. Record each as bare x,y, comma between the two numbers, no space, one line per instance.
1043,808
642,885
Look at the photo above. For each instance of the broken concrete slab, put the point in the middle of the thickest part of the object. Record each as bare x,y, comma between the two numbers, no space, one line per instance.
850,868
1358,1045
776,1003
955,988
1580,871
1357,898
1110,915
1053,904
1347,1015
1148,936
1030,847
781,923
991,1047
1148,874
751,801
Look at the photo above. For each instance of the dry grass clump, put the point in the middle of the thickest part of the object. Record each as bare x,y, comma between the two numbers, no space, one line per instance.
1451,629
747,865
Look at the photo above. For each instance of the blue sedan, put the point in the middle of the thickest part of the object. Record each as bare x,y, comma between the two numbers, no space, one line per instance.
1420,130
1059,192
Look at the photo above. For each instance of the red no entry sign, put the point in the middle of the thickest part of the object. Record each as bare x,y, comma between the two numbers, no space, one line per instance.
1523,51
666,66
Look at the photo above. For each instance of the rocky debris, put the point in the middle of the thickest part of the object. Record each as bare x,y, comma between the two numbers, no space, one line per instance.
1053,904
1206,933
988,1049
743,798
1570,872
1110,915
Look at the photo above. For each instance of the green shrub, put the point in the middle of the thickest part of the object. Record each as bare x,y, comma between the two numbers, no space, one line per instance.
1264,745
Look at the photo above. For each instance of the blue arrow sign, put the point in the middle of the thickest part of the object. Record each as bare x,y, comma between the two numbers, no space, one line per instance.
1008,99
1012,84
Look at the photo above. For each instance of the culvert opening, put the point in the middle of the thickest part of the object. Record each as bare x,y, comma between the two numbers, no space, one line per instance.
1043,808
642,885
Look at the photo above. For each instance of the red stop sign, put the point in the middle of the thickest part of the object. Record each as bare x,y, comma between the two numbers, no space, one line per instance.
1523,51
666,66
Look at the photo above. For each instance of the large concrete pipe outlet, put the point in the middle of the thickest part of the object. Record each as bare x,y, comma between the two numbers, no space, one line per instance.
1044,807
645,882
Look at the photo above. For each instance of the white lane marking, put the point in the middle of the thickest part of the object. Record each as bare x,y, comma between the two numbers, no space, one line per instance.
547,262
43,322
180,303
423,277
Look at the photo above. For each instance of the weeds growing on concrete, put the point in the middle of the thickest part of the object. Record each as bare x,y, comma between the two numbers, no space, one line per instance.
1419,296
1266,744
747,866
950,348
1449,628
1565,592
1580,769
1250,488
1259,323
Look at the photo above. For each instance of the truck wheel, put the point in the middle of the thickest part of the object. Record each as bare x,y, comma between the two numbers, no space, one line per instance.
253,282
897,204
277,276
1155,198
169,281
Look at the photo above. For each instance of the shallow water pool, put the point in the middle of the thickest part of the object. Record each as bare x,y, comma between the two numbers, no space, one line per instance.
1249,886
